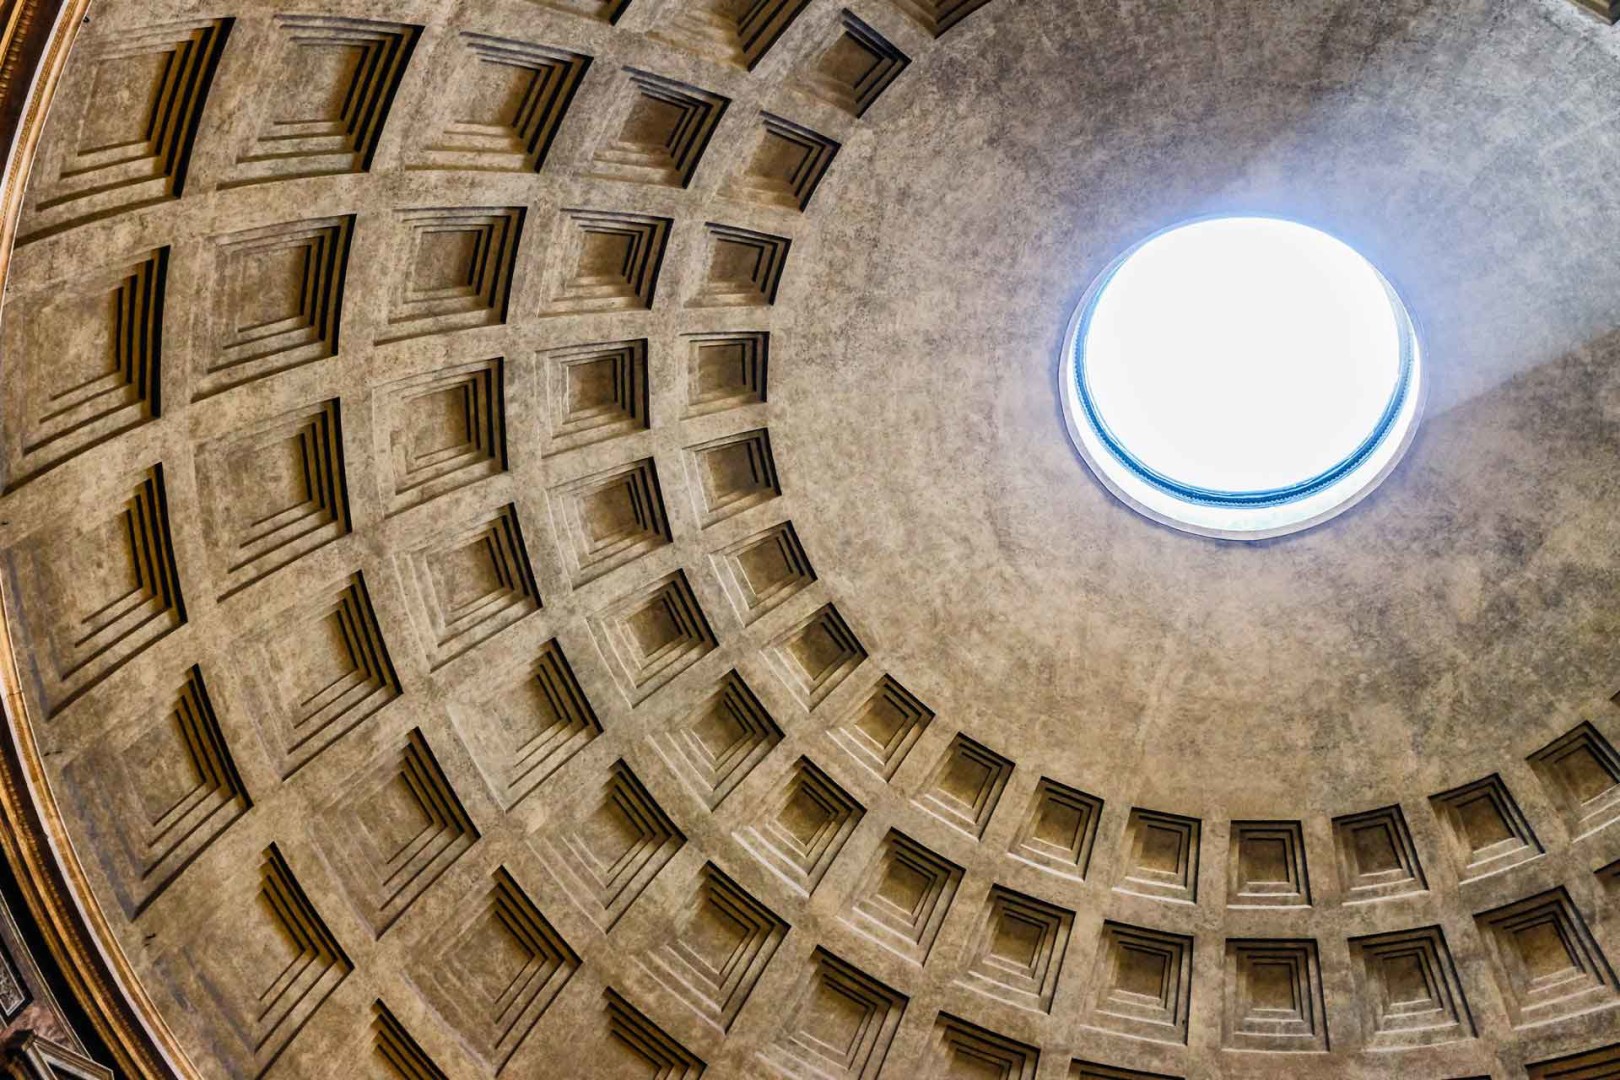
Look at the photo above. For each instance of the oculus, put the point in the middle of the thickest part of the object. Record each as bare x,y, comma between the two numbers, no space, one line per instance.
1241,377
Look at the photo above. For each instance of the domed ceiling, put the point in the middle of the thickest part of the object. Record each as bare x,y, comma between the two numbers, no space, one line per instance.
540,539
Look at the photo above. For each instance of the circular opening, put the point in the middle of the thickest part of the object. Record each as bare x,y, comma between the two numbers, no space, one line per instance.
1241,376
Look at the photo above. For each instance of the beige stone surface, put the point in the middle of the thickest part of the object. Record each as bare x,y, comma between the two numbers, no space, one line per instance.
540,539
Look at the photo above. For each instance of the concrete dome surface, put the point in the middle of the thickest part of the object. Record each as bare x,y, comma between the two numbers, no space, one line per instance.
538,538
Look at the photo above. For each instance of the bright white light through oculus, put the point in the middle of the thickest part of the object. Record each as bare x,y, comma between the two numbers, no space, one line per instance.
1256,370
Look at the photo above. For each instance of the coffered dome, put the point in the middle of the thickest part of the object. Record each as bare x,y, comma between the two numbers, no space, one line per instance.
540,538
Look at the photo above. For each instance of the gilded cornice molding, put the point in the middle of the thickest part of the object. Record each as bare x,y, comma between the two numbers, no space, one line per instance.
35,37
